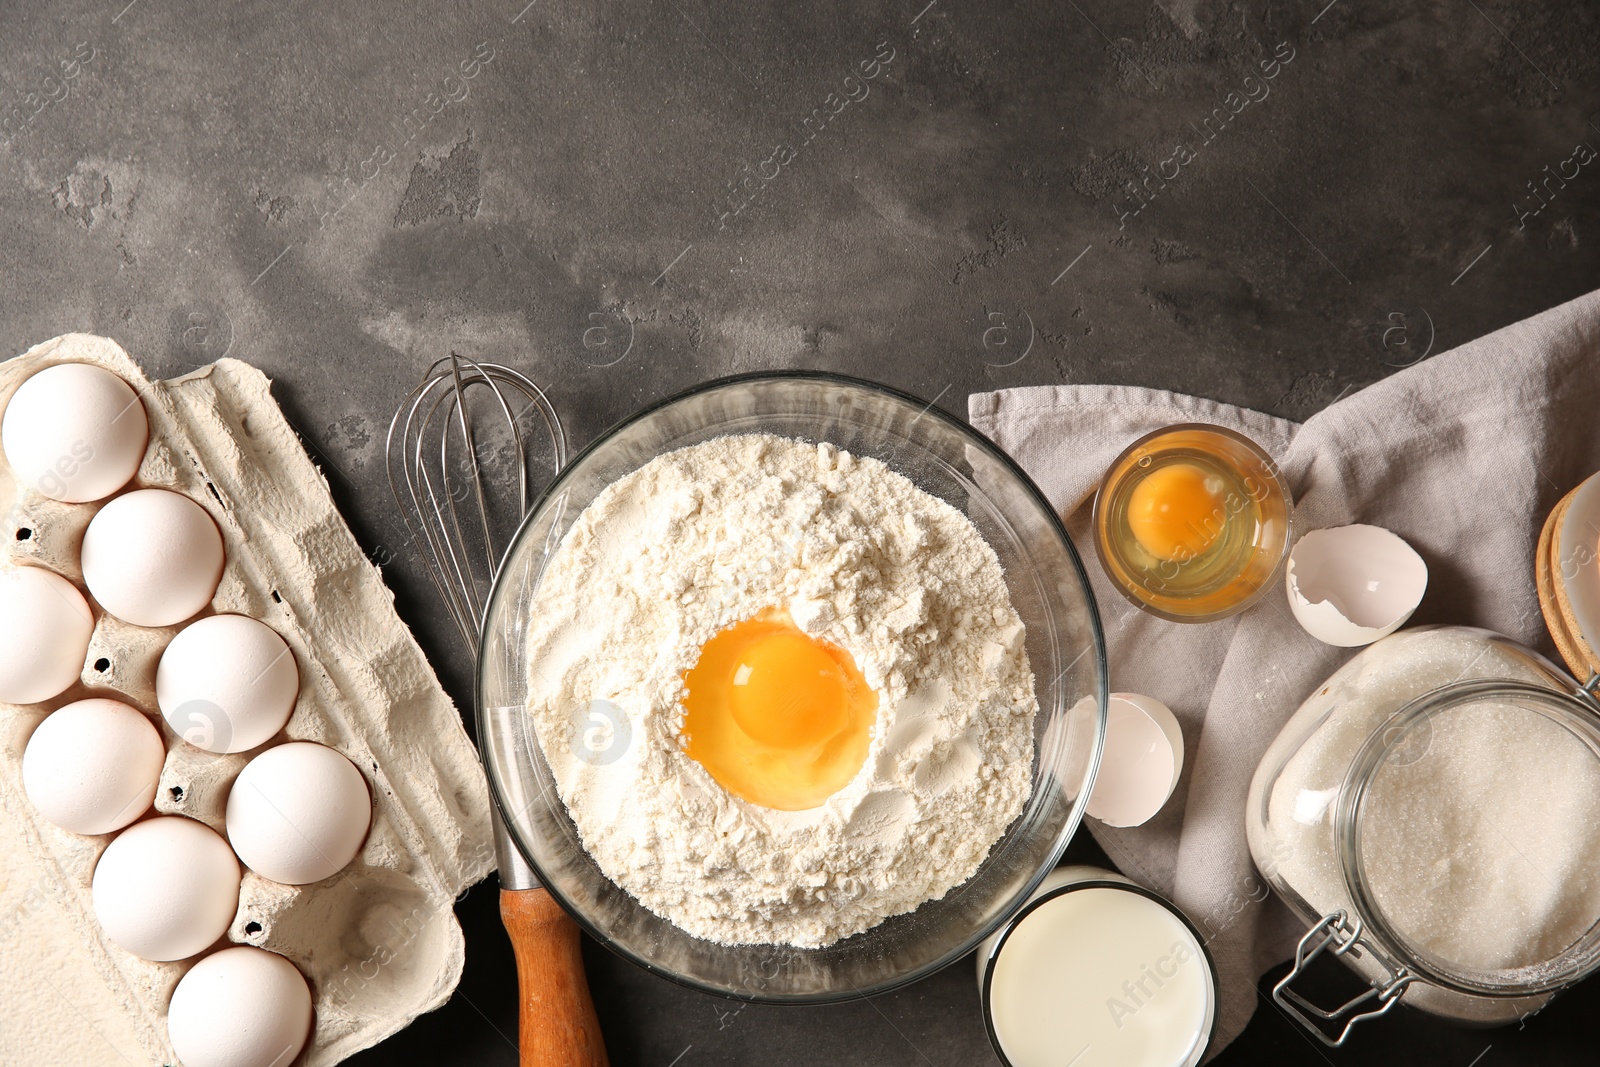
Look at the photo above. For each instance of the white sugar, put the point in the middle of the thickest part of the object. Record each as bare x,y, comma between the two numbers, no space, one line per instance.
1481,838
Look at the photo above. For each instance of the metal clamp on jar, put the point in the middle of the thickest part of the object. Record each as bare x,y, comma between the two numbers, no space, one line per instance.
1432,812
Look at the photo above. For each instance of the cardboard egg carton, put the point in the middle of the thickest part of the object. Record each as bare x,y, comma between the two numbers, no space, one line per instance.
378,942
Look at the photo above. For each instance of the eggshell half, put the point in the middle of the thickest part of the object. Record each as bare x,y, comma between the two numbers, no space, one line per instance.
241,1007
166,888
227,683
45,625
92,767
152,557
1140,762
1350,585
298,813
74,432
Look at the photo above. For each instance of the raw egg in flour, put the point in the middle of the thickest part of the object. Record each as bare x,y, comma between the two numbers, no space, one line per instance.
776,716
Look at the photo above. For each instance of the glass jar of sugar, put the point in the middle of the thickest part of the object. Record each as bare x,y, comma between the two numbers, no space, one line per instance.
1432,812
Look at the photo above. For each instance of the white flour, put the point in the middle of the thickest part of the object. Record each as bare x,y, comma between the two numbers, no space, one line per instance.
711,535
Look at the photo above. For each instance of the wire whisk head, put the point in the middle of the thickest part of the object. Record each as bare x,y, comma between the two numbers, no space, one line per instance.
458,454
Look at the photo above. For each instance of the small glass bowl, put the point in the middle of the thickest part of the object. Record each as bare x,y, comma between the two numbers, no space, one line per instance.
1253,526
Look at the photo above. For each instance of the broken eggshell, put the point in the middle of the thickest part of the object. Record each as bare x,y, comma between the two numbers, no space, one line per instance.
1140,762
1350,585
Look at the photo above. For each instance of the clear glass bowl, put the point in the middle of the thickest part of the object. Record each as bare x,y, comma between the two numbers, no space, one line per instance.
1253,526
1048,588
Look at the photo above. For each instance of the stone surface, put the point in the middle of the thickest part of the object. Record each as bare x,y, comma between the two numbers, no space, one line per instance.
624,200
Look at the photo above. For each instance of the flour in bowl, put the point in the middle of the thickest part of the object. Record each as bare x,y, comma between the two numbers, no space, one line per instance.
856,558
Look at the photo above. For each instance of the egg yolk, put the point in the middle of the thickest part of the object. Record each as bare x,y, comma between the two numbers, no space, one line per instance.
1176,511
776,716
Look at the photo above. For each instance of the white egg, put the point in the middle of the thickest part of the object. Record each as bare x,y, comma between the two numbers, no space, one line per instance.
1350,585
298,813
92,767
241,1007
44,634
152,558
227,683
166,888
74,432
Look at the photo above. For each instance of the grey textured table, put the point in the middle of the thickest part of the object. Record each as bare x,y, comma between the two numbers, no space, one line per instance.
1270,204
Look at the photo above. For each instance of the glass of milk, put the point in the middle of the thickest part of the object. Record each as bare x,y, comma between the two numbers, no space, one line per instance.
1097,970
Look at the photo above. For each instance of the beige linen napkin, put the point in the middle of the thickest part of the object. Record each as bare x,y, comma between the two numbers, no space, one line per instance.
1463,455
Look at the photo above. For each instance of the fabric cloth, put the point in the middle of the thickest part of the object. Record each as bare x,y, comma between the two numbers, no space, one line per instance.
1463,455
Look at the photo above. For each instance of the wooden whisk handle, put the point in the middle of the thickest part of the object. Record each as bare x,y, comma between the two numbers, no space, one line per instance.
557,1020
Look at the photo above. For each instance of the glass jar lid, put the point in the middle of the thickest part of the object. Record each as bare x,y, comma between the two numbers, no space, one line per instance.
1469,835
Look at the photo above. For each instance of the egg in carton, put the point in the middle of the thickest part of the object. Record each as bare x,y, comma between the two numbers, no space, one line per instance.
378,942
